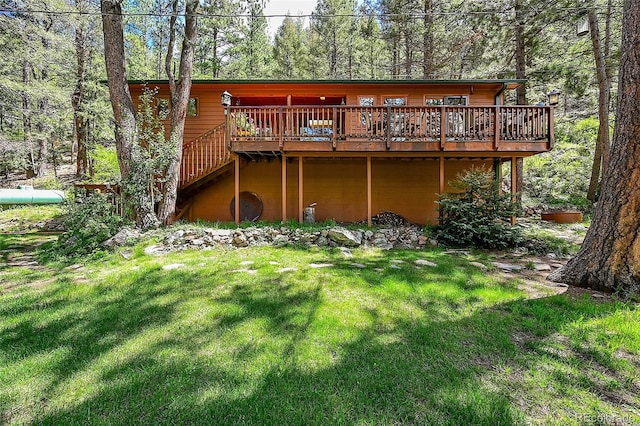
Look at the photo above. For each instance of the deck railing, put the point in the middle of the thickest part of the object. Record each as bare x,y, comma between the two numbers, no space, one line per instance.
392,124
203,155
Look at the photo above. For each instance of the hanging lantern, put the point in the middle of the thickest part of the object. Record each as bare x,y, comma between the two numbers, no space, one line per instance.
225,99
554,97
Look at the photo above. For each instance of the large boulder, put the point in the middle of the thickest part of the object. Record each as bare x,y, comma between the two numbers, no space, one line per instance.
345,237
123,237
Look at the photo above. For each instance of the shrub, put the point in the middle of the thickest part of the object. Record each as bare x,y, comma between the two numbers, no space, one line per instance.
477,215
91,220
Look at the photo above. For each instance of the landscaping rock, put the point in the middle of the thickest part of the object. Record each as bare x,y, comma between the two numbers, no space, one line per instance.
422,262
172,266
478,265
507,266
345,237
154,249
123,237
540,267
320,265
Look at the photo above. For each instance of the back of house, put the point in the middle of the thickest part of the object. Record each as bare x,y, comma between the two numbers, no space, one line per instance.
355,148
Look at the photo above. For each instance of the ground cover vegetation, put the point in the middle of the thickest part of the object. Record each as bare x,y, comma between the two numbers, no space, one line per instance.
269,335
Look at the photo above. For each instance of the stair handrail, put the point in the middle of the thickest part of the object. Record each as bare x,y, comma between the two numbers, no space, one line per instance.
203,155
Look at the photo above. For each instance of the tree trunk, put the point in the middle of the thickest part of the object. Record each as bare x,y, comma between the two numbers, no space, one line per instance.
521,91
427,41
135,188
601,153
180,91
609,259
77,98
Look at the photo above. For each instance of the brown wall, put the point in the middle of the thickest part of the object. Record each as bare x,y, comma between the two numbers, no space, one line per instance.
211,114
339,186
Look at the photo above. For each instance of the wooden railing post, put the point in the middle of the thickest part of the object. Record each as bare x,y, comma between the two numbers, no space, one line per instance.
443,126
281,132
334,126
550,129
388,126
497,126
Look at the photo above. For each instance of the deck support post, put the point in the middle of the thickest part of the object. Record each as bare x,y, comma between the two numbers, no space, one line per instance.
514,184
369,223
440,183
237,189
497,168
284,189
300,190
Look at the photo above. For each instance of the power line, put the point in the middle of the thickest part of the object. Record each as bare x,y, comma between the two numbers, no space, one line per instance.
415,15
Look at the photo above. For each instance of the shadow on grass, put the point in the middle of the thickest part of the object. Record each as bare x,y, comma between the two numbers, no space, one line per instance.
184,348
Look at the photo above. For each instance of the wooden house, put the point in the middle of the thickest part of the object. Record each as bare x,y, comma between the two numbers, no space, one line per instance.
356,148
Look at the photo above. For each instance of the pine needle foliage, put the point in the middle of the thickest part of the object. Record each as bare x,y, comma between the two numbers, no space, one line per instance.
477,214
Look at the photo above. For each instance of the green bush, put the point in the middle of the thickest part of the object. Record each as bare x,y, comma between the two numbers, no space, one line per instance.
478,215
91,220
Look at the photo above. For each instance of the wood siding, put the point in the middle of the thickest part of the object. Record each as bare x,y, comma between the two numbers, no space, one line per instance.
406,186
211,113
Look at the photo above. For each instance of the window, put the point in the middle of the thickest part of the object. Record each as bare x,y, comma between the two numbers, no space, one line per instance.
433,101
366,101
456,100
192,107
163,108
395,101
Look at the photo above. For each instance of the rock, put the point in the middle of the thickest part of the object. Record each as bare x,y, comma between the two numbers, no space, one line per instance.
240,240
422,262
422,240
322,241
289,269
172,266
346,252
280,241
540,267
358,265
395,267
126,254
218,232
154,249
247,262
273,262
397,261
197,242
246,271
478,265
345,237
320,265
507,267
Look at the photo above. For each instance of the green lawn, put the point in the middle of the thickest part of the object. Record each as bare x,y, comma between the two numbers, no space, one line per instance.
218,342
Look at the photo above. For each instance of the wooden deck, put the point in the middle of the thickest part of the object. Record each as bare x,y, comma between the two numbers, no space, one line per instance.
282,129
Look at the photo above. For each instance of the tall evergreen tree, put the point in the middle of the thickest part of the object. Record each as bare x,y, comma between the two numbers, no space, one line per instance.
290,50
334,30
251,57
218,31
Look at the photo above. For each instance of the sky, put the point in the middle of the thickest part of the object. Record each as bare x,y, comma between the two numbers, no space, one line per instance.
281,7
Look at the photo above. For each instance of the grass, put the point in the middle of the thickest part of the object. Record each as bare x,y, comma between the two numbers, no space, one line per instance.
225,337
18,218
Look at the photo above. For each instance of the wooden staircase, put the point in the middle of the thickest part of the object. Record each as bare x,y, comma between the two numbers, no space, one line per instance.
204,159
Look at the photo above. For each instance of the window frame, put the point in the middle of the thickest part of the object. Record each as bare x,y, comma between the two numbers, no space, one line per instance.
373,97
403,96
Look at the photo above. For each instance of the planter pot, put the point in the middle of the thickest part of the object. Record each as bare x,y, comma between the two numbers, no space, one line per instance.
562,217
